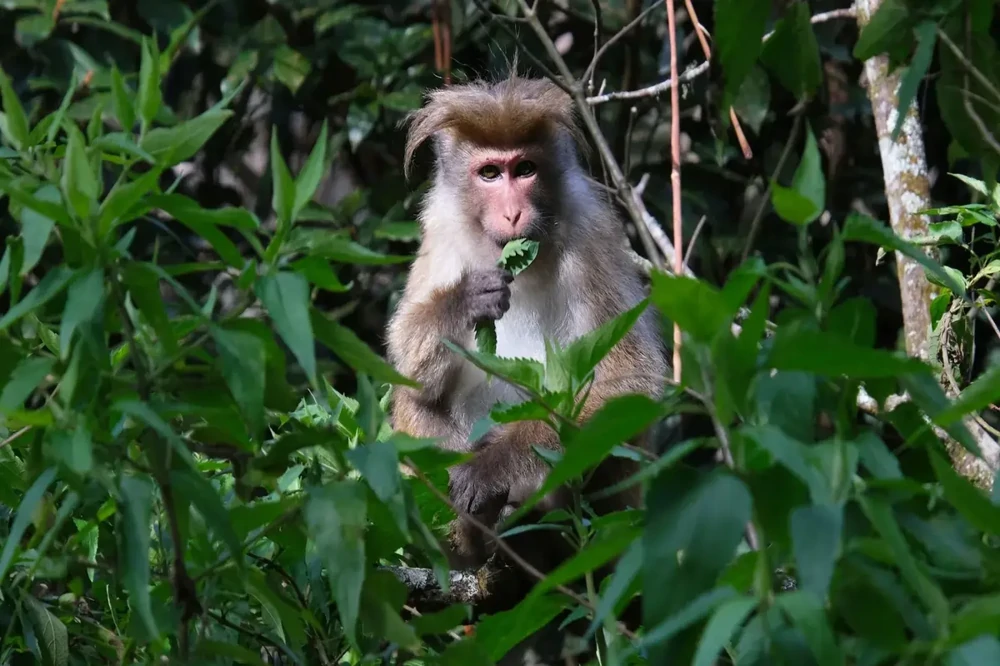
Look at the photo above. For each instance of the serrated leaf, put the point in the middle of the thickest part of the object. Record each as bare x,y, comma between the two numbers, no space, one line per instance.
587,351
620,419
336,517
23,517
354,351
242,356
50,632
486,337
286,297
312,173
518,254
521,371
136,512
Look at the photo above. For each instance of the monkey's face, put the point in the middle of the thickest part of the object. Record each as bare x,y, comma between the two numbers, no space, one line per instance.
507,188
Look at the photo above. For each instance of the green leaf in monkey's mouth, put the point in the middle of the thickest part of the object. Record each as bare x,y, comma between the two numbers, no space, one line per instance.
517,255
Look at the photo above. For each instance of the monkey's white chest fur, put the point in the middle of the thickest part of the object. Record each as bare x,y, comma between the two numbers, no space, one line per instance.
541,308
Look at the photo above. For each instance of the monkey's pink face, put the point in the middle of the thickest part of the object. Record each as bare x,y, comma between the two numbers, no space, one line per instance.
506,186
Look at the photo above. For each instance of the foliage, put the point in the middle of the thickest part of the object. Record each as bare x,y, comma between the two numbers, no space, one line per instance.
185,474
516,256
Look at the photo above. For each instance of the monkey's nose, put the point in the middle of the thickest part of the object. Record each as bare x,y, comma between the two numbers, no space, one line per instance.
512,217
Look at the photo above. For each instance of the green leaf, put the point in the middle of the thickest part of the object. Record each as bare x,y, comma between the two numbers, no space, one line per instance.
243,360
516,256
792,52
807,198
36,228
79,184
720,628
144,289
598,552
136,511
703,517
520,371
16,127
807,613
883,30
83,302
486,337
319,273
971,502
122,99
588,350
701,606
915,72
197,490
120,143
980,394
24,379
15,190
626,571
860,227
121,200
339,249
354,351
283,197
170,145
816,531
882,518
231,652
286,297
696,306
312,173
500,632
618,420
792,454
739,28
978,651
379,463
832,355
49,287
50,632
74,449
23,518
336,516
149,98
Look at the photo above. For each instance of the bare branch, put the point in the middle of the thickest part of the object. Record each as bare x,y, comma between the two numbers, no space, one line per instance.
695,72
675,170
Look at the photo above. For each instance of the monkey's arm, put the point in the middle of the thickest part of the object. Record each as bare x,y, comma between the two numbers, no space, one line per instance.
416,347
507,470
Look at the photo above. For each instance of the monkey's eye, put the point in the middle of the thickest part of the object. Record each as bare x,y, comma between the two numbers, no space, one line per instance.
489,172
525,168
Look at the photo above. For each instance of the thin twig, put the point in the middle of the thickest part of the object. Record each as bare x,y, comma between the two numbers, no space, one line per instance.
702,33
675,172
695,72
967,64
759,216
588,75
597,42
14,436
694,237
510,552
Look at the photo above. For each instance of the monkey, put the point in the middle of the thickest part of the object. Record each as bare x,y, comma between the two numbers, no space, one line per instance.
508,165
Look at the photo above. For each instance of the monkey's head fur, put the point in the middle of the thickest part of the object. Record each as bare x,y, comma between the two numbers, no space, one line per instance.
505,149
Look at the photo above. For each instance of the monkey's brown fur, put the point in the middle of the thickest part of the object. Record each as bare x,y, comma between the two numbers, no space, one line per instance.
581,279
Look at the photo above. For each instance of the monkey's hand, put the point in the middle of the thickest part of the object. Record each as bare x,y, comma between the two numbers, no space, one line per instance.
505,470
485,295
